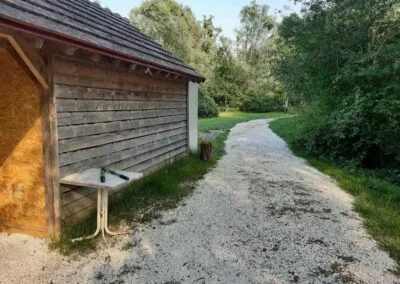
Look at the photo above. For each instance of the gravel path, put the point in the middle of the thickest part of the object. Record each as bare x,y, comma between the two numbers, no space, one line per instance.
261,216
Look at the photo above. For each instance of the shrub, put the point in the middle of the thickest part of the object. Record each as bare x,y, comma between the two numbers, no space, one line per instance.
207,106
263,103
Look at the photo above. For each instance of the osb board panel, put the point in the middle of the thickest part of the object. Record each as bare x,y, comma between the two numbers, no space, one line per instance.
22,194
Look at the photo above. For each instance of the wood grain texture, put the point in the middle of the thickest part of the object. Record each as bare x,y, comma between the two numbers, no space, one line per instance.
22,194
85,154
75,72
52,165
73,131
78,143
76,92
116,119
81,202
73,118
121,156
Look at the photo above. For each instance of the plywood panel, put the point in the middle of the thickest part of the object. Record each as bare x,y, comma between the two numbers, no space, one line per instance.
22,194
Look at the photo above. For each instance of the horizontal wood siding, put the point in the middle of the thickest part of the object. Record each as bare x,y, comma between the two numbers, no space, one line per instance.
119,119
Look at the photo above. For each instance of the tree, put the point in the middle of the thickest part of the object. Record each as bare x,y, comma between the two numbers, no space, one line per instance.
256,25
175,27
345,54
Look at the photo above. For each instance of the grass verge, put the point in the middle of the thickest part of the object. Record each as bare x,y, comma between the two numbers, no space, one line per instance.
377,200
146,199
227,120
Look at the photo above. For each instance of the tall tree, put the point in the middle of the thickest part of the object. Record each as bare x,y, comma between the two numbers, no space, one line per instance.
345,55
256,25
176,27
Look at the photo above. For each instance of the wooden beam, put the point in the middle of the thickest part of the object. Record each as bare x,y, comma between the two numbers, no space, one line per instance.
95,57
39,43
116,63
70,50
51,156
29,56
4,43
148,71
167,75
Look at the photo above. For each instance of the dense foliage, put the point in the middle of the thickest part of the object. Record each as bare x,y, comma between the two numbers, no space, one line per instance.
238,72
261,103
207,106
341,58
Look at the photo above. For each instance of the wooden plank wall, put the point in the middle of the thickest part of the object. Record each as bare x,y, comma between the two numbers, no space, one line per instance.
116,118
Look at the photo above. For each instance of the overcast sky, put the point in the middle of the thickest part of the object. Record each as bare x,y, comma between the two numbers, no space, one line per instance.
226,12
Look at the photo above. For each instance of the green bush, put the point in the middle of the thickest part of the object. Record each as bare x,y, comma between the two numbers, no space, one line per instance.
263,103
347,79
207,106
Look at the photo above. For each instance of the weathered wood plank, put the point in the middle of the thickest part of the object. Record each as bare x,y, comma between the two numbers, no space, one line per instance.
95,76
76,118
77,156
122,155
83,68
79,216
147,157
76,92
77,143
147,165
166,160
66,132
78,193
104,84
75,105
78,205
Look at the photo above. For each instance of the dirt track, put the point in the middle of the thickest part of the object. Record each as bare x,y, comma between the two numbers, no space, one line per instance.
261,216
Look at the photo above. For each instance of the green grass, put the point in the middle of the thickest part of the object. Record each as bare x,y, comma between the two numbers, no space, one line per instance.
227,120
145,200
377,200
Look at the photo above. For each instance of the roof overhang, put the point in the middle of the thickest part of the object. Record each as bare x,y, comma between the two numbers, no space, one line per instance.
49,35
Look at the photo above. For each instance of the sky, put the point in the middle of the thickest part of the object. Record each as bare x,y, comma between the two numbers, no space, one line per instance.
225,12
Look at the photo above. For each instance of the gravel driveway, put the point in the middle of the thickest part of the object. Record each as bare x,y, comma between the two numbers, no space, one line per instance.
261,216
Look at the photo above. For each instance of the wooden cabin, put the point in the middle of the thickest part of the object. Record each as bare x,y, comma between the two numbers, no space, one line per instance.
80,87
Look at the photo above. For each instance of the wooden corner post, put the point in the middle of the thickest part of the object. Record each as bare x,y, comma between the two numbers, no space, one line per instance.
50,147
193,116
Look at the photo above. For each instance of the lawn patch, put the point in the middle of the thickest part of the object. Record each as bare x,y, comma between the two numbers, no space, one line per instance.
227,120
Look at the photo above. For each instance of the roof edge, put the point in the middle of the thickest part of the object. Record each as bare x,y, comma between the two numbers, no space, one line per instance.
87,46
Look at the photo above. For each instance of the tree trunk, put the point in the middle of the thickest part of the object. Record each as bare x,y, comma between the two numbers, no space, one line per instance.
205,151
